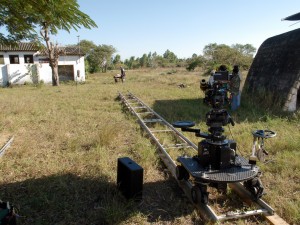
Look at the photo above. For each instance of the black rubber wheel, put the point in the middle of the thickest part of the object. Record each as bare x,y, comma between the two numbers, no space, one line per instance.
204,198
181,173
255,187
196,194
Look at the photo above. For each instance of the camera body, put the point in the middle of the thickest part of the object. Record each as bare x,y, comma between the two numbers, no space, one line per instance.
216,89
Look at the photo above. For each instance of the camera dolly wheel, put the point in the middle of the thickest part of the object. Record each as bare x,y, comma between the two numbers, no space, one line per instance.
199,194
181,173
255,187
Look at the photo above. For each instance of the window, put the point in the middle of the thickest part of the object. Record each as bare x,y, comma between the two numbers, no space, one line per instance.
14,59
1,59
28,58
44,60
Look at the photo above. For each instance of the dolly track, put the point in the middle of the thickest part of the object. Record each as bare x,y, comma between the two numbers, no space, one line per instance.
141,110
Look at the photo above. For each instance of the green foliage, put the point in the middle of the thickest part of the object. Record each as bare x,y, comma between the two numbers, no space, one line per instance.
117,59
86,46
100,58
23,18
15,18
237,54
143,61
170,56
192,65
194,62
213,56
132,63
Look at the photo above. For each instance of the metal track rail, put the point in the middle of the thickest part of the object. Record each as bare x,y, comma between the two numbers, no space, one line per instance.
6,146
148,118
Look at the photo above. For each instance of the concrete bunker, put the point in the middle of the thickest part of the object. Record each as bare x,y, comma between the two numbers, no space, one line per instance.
274,76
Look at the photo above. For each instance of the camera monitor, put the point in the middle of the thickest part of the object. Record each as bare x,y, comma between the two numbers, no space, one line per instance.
221,76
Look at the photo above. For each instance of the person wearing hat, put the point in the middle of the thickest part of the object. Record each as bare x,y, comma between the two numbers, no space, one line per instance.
234,86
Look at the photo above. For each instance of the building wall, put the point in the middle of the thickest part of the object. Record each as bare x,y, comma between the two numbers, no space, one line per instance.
21,56
37,71
78,63
275,69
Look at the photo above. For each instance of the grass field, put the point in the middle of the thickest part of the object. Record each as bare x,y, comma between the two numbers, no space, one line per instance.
61,166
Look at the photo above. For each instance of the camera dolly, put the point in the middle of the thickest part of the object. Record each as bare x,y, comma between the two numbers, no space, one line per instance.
217,162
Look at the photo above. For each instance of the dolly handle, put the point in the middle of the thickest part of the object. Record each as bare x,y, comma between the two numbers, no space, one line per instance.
193,130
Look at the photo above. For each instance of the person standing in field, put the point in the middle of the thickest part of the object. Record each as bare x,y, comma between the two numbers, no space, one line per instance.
234,85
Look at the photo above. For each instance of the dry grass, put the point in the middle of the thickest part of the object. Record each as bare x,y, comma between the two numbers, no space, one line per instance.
61,167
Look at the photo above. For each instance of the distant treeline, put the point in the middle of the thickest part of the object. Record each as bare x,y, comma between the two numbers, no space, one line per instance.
102,58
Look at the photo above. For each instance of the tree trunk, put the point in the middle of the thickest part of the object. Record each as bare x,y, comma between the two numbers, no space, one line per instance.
53,52
55,77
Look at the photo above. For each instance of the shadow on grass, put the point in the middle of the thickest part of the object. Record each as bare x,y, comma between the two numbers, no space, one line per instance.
164,201
181,109
69,199
57,199
195,110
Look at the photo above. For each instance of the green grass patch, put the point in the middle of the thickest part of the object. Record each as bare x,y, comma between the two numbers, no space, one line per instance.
62,166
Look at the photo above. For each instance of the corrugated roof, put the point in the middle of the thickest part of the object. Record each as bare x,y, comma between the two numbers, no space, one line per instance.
20,47
23,46
66,50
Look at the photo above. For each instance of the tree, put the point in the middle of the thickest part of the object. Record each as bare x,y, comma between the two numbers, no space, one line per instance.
21,17
246,53
15,18
117,59
86,46
100,58
152,59
218,53
194,62
143,61
246,50
223,54
130,63
170,56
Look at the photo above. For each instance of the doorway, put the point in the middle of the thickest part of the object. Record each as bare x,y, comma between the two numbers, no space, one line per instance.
66,72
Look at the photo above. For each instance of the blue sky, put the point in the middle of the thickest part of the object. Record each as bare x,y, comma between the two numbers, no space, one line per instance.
135,27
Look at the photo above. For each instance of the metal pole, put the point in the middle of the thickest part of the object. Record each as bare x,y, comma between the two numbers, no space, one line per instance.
78,47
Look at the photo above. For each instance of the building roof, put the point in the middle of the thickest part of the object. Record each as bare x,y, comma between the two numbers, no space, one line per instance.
22,46
31,47
66,50
293,17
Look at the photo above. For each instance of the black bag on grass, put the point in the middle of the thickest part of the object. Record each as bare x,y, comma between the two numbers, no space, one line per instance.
7,214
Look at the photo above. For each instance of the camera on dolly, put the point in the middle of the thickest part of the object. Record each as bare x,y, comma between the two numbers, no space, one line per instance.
217,162
216,89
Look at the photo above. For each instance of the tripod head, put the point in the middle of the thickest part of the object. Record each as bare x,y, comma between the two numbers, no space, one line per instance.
215,119
214,151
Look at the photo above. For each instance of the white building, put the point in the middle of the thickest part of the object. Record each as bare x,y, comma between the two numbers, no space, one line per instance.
25,64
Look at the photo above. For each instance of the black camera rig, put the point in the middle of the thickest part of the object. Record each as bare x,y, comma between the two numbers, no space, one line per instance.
216,91
217,162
